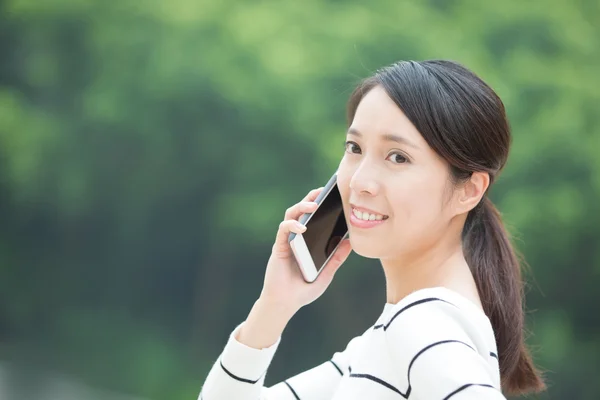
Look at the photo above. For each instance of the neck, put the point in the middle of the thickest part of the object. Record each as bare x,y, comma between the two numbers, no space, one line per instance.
442,264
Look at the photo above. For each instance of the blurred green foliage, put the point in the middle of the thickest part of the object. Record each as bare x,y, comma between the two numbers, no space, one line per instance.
149,149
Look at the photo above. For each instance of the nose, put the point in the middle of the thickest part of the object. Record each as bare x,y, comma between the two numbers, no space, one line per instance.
364,181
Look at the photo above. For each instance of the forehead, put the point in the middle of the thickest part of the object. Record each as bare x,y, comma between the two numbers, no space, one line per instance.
377,114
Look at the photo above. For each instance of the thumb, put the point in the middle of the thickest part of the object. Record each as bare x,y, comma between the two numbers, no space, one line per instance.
336,261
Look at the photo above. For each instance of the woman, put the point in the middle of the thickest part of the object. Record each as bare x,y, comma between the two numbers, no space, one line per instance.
425,142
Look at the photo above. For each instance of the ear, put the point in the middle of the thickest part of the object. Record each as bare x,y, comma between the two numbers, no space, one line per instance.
470,193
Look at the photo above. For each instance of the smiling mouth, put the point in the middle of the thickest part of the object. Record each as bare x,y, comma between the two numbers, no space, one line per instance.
365,216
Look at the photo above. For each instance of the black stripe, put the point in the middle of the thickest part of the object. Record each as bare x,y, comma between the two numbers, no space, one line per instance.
430,346
460,389
336,367
494,355
409,389
292,389
416,303
237,378
381,382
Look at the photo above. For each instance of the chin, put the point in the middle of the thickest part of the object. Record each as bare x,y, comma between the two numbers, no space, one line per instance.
365,248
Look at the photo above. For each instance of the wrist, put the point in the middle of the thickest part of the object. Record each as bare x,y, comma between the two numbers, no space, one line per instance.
264,324
277,308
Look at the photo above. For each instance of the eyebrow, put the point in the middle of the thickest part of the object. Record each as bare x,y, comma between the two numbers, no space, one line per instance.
389,137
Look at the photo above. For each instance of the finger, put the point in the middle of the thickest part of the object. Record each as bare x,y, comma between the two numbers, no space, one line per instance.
295,211
281,245
313,194
336,261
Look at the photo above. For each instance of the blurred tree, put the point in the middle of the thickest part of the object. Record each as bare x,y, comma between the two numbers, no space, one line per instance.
148,151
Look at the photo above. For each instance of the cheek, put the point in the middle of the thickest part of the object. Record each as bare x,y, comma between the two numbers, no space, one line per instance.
417,202
344,176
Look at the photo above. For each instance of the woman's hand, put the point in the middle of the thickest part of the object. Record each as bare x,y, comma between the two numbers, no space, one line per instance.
284,290
284,284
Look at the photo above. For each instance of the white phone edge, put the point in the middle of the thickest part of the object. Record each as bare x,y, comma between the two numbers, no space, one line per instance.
305,261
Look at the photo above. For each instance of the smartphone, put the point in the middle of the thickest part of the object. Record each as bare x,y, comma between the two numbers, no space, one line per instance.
325,229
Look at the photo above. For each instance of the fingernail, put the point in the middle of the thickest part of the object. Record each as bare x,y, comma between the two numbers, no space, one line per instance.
300,226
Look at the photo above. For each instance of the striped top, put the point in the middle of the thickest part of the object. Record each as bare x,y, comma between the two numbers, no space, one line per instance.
433,344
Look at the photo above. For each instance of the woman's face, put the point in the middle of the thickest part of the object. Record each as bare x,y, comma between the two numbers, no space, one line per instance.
389,169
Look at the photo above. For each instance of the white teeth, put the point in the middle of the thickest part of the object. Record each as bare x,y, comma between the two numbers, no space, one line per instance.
366,216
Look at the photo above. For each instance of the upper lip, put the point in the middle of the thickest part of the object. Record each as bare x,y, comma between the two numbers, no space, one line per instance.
367,210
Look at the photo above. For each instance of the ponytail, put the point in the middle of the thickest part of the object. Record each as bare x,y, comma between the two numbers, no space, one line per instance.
497,273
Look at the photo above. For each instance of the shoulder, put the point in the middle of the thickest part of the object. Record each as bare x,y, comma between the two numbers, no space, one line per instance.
438,337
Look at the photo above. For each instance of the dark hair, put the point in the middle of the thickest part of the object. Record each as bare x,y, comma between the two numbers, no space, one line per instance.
464,121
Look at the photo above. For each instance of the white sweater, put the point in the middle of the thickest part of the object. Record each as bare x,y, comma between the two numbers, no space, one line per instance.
433,344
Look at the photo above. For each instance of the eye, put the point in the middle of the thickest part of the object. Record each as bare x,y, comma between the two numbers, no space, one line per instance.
352,147
398,158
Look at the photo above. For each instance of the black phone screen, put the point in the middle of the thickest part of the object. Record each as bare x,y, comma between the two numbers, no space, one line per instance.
326,228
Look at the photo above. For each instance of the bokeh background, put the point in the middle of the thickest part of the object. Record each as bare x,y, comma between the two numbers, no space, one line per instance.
148,150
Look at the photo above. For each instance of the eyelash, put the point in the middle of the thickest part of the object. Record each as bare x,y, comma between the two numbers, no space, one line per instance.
349,143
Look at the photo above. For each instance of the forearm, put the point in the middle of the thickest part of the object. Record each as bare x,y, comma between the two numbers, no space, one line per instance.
241,368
